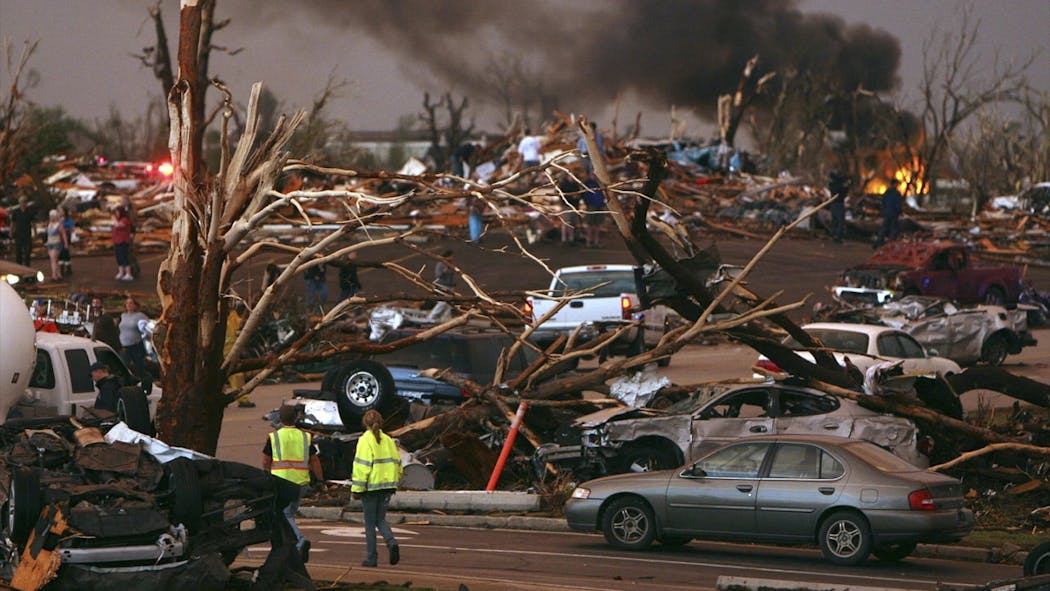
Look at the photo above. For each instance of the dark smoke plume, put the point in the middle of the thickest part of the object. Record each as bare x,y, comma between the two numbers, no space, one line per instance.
682,52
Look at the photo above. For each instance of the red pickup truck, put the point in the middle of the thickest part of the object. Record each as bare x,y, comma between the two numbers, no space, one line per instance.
943,269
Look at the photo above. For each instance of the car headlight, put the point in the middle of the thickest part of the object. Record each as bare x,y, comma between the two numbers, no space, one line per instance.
581,493
11,279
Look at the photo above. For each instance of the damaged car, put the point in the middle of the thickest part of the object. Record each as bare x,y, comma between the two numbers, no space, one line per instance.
964,334
627,439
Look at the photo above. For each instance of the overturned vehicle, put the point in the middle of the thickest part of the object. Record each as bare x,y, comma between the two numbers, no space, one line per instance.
629,439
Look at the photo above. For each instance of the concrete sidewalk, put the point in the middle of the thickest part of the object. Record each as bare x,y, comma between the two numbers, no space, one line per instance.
510,510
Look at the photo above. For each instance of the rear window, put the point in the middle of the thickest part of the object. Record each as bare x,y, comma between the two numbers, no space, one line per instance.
839,340
618,282
879,458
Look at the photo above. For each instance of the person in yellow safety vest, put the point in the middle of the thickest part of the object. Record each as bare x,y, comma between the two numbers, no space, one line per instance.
290,455
377,472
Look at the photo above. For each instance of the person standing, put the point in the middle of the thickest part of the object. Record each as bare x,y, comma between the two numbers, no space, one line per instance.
290,455
22,231
475,219
121,235
108,387
570,217
892,206
56,242
133,350
65,258
594,203
233,328
349,284
529,149
316,288
376,475
838,186
445,280
104,325
581,147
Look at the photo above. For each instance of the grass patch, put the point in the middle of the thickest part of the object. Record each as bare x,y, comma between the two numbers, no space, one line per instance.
997,538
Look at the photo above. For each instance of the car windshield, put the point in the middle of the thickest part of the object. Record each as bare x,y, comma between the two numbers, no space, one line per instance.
840,340
879,458
618,282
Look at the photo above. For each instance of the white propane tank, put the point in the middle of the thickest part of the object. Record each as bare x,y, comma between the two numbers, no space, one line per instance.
17,348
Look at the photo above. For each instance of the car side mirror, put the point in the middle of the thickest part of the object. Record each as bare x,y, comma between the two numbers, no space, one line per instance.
695,471
932,353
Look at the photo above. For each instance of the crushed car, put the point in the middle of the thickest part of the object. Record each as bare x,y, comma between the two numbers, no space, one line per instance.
628,439
940,268
964,334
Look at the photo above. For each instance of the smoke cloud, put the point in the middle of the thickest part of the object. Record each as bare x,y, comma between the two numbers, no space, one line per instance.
681,52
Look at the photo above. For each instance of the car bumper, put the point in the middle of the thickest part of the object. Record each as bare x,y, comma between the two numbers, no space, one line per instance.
922,526
582,514
863,296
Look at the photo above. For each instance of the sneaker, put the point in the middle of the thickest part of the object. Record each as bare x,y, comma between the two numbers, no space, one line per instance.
395,554
368,563
119,276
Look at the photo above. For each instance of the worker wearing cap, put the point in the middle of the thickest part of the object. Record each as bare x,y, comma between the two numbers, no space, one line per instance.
290,455
108,387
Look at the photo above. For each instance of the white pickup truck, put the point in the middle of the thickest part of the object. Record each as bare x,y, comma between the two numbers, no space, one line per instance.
608,299
49,374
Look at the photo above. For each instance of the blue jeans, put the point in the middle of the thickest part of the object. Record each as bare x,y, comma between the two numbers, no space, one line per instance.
374,506
289,513
316,294
476,226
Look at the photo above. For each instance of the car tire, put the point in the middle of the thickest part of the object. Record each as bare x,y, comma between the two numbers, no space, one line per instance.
995,350
629,524
186,491
995,297
24,504
133,409
360,386
675,541
894,552
647,457
1038,561
845,538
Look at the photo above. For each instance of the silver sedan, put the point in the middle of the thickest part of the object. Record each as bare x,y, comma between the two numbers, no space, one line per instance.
852,498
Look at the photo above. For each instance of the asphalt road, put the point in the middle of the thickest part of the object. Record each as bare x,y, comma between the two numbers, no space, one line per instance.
494,559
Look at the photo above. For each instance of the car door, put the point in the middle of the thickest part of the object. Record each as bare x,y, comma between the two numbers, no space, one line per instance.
806,412
802,481
738,413
716,496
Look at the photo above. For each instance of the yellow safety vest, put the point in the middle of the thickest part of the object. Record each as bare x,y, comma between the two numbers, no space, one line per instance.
377,464
291,454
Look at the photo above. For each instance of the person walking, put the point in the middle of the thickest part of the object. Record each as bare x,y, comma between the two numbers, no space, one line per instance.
290,455
22,231
376,475
65,257
56,242
121,236
892,206
475,217
133,350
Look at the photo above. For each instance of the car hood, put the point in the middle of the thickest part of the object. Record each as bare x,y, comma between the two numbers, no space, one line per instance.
595,419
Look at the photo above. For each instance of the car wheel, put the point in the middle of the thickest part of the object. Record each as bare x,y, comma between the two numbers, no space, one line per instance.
845,538
1038,561
360,386
995,297
186,491
995,350
647,457
894,552
24,505
628,524
674,541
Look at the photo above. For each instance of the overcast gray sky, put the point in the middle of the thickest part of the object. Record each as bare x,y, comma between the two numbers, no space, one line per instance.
84,58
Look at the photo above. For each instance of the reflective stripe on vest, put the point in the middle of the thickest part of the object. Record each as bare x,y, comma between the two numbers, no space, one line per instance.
291,455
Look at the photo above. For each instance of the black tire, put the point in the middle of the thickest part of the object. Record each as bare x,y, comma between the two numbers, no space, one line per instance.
629,524
647,457
186,491
133,409
1038,561
360,386
675,541
995,350
24,504
894,552
845,538
995,297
